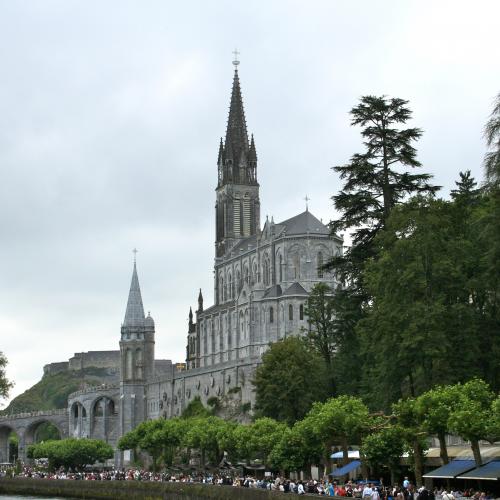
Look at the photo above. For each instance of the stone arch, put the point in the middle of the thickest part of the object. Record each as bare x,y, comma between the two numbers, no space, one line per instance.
5,432
77,419
30,434
103,416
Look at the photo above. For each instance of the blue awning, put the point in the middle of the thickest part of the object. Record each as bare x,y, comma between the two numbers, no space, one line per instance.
452,470
489,471
346,469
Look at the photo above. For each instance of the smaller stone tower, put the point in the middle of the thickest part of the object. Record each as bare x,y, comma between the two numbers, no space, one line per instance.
137,350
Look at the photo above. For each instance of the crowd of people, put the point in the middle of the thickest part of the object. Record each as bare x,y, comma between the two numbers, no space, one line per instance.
326,487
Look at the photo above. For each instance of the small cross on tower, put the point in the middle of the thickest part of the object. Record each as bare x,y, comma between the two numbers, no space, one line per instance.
134,251
236,60
307,202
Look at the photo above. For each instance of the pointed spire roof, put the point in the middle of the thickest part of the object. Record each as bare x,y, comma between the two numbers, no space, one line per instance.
220,159
134,315
236,133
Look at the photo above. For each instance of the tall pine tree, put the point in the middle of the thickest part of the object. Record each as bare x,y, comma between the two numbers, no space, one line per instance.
374,182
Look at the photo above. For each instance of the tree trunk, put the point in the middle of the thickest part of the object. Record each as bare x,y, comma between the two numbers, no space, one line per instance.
393,476
345,451
476,451
443,451
419,466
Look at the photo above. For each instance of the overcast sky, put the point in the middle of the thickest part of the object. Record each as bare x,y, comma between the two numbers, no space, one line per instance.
110,118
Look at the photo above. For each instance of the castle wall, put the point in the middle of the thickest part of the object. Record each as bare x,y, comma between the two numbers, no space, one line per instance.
55,368
96,359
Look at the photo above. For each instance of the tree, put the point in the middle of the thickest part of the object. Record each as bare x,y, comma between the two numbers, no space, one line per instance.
72,453
322,333
290,378
385,447
411,424
256,441
471,418
435,407
338,421
5,384
204,434
195,408
403,333
466,192
374,183
492,136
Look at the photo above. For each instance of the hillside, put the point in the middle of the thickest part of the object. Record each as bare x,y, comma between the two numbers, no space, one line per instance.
52,391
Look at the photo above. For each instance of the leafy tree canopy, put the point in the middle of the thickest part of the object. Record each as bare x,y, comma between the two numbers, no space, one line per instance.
72,453
290,378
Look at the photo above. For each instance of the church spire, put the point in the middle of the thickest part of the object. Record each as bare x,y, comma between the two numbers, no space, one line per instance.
134,315
236,132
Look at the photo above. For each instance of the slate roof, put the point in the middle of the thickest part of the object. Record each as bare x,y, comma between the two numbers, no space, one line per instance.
134,315
274,291
295,289
304,223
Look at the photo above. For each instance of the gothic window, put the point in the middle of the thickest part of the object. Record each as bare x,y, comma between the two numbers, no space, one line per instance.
247,324
290,312
296,265
205,343
221,291
238,281
138,363
246,275
129,365
320,264
255,277
301,311
271,315
230,286
213,336
242,219
267,271
280,268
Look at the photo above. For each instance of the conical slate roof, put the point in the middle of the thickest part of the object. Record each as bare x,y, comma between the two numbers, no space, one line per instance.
236,133
134,315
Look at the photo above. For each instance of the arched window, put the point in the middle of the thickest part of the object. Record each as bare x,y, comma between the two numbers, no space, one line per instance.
320,264
296,265
138,363
290,312
129,365
266,271
238,281
271,315
221,291
246,275
229,286
301,311
280,268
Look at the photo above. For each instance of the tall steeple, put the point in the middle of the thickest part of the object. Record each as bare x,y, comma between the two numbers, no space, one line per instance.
134,314
238,206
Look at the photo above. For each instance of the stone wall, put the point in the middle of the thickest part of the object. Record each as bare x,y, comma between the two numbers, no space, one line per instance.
95,359
129,490
55,368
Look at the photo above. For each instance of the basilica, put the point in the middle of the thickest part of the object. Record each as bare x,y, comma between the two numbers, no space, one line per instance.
262,278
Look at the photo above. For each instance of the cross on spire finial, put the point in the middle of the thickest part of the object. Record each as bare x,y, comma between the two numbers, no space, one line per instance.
236,60
134,251
307,202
